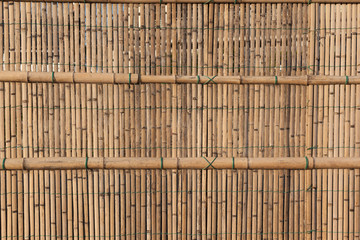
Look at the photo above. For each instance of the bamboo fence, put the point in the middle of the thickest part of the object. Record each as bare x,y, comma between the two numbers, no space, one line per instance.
79,121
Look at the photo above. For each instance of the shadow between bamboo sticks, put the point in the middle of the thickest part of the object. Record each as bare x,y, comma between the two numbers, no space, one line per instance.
66,163
120,78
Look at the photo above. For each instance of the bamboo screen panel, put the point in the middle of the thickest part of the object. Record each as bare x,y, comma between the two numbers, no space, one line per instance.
155,39
40,120
44,120
223,39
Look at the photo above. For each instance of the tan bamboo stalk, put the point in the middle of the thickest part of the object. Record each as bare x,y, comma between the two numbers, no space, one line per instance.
75,37
41,115
111,154
60,42
16,100
143,153
352,154
3,173
21,57
122,206
178,163
240,212
71,204
56,152
115,78
325,210
6,36
357,153
347,122
52,39
342,67
51,154
46,154
105,127
293,211
37,39
203,202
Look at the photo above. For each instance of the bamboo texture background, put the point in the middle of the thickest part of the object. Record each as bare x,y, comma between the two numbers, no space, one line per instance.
41,120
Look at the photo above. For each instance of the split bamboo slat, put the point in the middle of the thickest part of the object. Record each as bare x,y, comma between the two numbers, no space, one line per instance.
179,119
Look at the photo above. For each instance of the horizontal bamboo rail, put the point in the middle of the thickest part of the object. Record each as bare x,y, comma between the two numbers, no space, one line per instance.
196,1
67,163
121,78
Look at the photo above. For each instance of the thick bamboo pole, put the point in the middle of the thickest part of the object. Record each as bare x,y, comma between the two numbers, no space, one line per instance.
66,163
118,78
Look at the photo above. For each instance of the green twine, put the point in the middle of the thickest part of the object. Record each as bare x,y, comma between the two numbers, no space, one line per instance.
347,80
233,163
208,2
160,1
210,163
129,79
52,77
276,80
309,2
86,162
161,163
210,79
307,162
235,1
3,164
198,79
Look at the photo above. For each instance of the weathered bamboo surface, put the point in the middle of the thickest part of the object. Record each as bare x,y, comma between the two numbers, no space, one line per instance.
180,39
40,120
171,39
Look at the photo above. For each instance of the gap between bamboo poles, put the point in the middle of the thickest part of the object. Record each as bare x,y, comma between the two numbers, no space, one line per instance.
128,78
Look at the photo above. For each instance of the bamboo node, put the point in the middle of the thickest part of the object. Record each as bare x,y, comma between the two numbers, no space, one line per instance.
210,163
